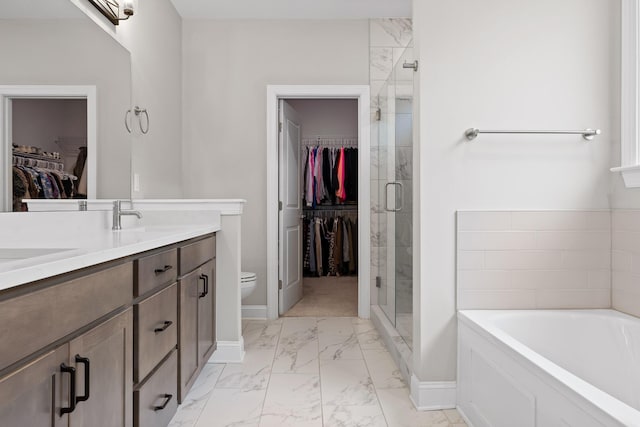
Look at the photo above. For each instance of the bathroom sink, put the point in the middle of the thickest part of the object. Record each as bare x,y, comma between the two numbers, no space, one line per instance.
20,257
12,254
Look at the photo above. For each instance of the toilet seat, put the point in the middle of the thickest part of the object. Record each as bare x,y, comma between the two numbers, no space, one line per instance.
246,276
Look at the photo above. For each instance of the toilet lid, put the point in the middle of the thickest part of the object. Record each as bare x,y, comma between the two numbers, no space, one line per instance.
246,276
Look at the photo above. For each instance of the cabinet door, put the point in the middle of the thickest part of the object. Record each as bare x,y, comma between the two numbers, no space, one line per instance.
188,337
103,359
34,394
206,312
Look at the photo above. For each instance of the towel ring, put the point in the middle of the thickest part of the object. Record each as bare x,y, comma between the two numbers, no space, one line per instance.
138,112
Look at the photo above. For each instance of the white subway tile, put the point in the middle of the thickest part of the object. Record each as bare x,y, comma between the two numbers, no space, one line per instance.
549,220
484,221
495,240
470,260
599,220
472,299
635,263
599,279
484,279
572,298
522,260
577,240
550,279
626,241
621,261
627,302
586,259
626,220
625,281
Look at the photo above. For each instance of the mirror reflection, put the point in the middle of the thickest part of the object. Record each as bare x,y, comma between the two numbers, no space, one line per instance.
65,86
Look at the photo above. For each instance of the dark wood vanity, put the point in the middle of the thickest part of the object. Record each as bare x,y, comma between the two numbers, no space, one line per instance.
114,344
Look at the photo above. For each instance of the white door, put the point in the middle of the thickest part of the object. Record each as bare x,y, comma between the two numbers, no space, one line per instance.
290,218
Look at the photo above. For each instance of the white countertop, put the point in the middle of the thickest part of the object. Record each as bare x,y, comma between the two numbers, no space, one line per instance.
38,245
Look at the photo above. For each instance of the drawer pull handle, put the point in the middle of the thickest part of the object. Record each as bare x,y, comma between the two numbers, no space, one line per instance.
163,269
72,388
168,398
204,278
166,324
87,377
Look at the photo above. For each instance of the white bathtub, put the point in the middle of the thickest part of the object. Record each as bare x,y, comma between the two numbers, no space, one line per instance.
548,368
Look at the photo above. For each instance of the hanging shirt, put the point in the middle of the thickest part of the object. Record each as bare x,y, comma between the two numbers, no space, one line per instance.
309,179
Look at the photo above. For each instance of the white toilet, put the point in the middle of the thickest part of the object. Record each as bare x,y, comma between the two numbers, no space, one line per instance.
247,283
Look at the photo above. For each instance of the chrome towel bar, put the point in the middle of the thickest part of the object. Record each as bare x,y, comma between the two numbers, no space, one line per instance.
588,134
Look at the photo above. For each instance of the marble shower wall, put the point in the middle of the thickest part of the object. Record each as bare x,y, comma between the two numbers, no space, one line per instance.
389,39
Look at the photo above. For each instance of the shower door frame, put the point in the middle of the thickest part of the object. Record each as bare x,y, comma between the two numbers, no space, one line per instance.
362,94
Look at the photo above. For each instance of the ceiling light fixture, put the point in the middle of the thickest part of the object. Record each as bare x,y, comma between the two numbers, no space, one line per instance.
111,9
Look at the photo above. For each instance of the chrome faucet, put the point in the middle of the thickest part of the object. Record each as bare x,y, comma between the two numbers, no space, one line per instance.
118,212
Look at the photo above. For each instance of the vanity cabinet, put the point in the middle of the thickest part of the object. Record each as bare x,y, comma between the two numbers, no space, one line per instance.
117,344
103,362
80,373
196,341
33,395
155,393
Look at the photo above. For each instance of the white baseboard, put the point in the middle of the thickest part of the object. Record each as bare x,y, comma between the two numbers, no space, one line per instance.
228,352
254,311
433,395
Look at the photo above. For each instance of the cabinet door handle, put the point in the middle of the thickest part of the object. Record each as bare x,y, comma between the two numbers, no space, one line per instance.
164,327
87,377
166,402
204,278
72,388
163,270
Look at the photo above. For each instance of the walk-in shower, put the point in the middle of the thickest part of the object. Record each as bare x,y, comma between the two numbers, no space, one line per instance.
392,196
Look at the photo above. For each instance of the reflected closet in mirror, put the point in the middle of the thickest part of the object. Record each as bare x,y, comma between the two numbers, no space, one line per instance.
64,84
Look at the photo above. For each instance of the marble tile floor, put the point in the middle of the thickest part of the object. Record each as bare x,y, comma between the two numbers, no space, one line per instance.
307,372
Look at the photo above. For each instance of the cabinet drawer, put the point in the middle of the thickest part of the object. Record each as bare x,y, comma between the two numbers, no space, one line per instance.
32,321
195,254
155,270
156,325
155,402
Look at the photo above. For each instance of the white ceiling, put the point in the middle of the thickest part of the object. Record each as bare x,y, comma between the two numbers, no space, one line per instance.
293,9
38,9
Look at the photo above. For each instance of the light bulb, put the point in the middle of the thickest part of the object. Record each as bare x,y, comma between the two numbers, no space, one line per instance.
127,7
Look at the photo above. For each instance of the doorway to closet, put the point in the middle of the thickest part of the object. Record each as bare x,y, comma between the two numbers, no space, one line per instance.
318,227
318,201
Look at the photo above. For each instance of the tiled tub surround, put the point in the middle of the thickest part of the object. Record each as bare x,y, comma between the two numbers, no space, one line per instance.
538,259
626,261
549,368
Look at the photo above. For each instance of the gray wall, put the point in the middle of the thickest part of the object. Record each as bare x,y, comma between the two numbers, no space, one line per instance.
155,43
227,66
76,52
505,65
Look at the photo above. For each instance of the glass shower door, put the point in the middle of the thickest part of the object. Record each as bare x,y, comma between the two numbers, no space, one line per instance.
393,212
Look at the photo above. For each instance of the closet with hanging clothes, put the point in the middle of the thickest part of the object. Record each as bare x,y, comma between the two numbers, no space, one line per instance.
328,178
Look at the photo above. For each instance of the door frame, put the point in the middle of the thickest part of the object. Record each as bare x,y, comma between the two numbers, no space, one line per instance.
9,92
362,94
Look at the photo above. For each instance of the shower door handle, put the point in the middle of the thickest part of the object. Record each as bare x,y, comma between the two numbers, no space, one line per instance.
386,197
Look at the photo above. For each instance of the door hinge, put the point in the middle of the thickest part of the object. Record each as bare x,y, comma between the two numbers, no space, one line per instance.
378,114
279,205
279,284
378,282
280,127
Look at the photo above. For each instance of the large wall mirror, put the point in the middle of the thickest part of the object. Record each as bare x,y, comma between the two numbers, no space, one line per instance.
65,85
